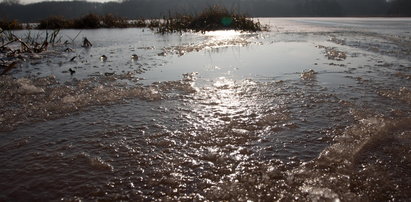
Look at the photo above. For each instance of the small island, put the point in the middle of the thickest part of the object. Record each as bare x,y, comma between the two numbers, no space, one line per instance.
210,19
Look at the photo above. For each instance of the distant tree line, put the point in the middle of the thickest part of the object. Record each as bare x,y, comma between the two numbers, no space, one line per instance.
135,9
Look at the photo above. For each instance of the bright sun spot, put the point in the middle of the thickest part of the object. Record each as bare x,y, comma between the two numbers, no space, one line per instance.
223,34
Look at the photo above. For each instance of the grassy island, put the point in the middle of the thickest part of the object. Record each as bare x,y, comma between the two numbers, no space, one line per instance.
211,19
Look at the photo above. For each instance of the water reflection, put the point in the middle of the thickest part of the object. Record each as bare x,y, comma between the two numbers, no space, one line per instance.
223,35
221,103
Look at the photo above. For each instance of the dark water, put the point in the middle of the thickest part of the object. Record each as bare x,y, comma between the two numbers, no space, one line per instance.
314,110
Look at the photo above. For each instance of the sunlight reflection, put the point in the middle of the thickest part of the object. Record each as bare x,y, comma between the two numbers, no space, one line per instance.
223,34
222,102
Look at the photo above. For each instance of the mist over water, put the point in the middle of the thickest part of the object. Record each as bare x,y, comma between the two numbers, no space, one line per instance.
313,110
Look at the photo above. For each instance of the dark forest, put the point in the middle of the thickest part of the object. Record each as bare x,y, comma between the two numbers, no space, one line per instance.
134,9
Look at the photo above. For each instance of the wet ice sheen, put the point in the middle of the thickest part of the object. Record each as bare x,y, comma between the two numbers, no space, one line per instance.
314,110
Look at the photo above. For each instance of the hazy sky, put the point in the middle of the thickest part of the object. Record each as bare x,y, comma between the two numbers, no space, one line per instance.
35,1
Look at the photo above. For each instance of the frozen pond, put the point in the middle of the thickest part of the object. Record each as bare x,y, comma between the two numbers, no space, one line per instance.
314,109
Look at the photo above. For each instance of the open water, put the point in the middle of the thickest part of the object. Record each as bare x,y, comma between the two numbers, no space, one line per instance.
316,109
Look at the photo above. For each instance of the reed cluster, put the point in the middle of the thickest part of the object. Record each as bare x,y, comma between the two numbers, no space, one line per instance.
6,24
90,21
210,19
